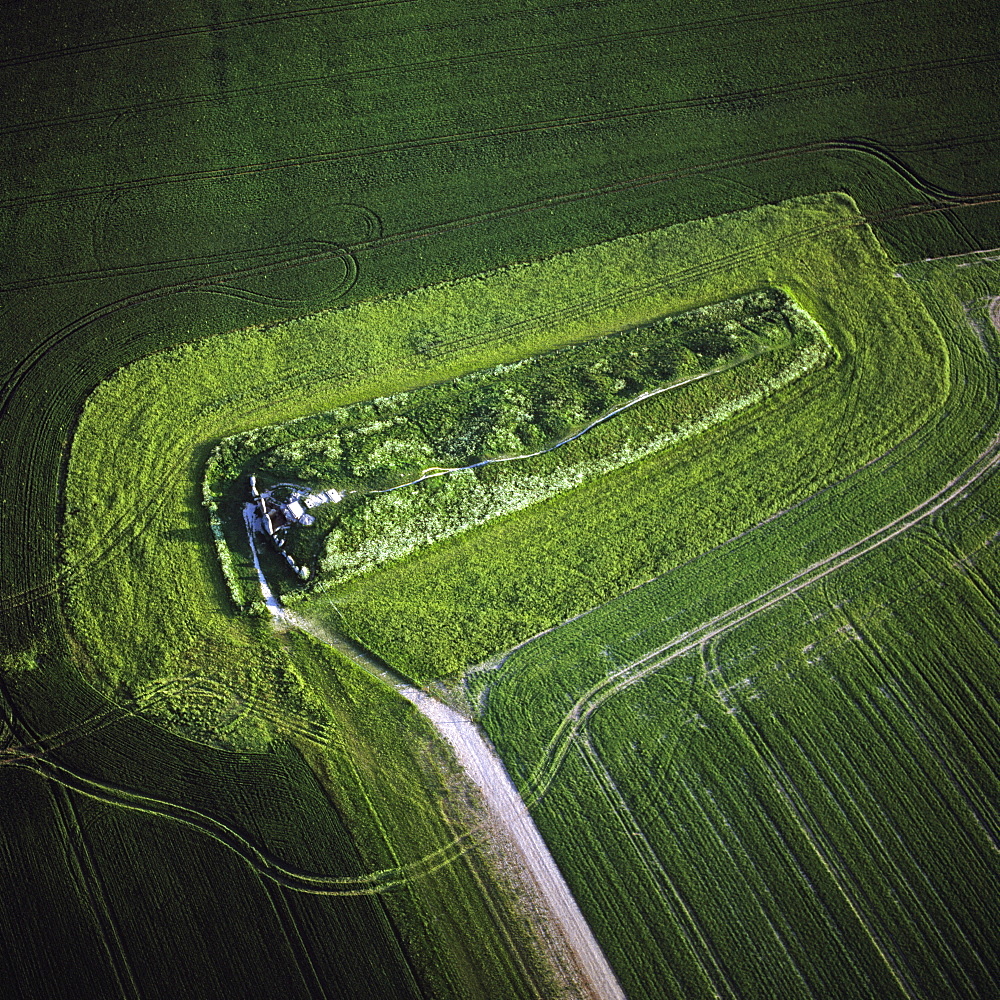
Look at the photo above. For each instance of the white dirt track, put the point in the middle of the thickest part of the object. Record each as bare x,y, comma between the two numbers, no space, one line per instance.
572,943
576,959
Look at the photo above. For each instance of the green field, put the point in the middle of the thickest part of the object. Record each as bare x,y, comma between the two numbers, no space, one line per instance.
782,746
760,736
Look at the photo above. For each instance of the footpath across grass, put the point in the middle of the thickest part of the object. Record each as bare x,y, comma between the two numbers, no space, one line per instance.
417,467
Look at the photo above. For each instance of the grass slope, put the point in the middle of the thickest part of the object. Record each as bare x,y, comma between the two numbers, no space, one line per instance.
242,380
473,596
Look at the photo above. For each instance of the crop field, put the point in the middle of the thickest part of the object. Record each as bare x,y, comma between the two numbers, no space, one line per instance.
744,682
765,760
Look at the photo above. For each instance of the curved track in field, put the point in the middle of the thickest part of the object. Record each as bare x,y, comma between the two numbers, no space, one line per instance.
263,861
588,703
572,726
137,520
219,283
639,112
34,752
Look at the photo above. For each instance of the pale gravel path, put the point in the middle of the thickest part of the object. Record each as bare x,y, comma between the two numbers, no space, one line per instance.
273,605
576,957
572,939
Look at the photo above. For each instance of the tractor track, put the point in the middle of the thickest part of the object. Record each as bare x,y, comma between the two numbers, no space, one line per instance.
574,721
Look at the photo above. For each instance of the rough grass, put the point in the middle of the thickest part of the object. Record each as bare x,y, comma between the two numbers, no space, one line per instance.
472,597
145,436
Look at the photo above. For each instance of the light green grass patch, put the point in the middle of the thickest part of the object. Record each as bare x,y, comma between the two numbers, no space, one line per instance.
465,600
139,454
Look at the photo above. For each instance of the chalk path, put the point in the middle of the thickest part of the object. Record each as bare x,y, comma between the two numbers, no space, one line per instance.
577,959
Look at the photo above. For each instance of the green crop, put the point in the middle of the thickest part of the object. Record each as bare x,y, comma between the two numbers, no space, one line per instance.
186,188
765,749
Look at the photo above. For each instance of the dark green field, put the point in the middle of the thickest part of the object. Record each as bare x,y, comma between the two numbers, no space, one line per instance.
792,791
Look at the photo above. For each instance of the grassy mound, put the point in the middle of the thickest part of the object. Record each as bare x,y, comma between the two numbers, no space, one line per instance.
500,440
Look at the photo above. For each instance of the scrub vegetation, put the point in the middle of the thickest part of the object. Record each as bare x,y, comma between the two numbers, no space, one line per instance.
760,736
430,463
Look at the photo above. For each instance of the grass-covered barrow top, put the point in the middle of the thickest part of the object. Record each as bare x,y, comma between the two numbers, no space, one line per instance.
416,467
